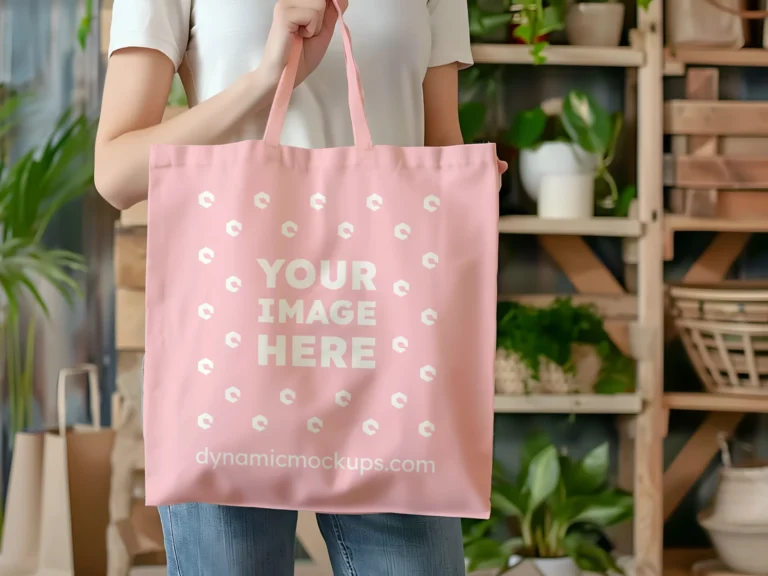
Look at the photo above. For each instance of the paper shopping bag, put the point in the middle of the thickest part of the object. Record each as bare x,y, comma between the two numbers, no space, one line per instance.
75,499
21,525
320,326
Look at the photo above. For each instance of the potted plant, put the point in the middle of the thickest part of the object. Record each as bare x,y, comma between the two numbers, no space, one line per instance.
552,512
564,146
557,349
32,191
533,22
595,22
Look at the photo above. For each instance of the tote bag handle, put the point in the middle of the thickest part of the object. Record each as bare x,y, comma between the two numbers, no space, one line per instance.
360,129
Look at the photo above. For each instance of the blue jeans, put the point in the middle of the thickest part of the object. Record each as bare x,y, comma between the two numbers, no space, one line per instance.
207,539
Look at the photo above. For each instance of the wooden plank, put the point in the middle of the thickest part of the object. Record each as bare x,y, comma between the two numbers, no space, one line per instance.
716,118
105,24
715,57
569,404
584,270
610,306
622,57
136,215
129,377
715,262
708,402
680,223
649,427
742,204
744,146
693,459
130,257
721,172
129,319
585,227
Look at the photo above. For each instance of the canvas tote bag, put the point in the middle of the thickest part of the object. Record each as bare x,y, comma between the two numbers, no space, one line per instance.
321,323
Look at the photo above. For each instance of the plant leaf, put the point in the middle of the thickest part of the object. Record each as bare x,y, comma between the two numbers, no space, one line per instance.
507,501
527,129
472,120
485,554
600,510
543,476
591,473
587,123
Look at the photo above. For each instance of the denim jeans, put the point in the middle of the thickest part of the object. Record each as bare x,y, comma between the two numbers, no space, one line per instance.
207,539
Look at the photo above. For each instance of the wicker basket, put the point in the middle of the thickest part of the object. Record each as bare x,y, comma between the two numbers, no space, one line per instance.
514,377
724,328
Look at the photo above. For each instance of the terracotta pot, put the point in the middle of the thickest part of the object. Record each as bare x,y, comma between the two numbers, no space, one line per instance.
595,23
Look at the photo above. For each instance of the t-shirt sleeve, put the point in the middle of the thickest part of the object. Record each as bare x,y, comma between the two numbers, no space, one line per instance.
161,25
450,32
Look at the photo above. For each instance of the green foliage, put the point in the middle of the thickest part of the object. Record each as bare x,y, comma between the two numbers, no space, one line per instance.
560,506
535,21
583,122
480,86
32,191
84,27
178,96
550,332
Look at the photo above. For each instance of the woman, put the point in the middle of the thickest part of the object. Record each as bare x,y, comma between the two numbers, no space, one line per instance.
230,54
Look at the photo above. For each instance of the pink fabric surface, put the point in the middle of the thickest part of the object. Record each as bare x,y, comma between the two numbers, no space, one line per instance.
320,326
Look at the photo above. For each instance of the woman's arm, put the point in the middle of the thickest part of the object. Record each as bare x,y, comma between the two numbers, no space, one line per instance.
441,106
135,95
138,83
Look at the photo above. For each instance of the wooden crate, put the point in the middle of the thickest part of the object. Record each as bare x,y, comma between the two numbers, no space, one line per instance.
719,161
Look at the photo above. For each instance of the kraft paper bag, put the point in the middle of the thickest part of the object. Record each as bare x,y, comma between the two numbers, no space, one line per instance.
75,495
22,522
321,323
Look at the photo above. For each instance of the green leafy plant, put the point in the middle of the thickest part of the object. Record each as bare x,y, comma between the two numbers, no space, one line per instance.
535,22
479,87
85,24
32,191
550,332
581,121
557,505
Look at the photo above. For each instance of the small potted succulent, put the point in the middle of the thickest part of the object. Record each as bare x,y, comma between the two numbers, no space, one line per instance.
553,513
595,22
564,146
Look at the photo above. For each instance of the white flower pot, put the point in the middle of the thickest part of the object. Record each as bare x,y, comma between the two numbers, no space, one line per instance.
551,566
567,196
559,158
595,23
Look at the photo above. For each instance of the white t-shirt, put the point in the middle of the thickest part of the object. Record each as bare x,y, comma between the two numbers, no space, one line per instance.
213,42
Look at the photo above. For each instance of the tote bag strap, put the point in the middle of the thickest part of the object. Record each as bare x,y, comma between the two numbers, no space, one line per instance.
360,129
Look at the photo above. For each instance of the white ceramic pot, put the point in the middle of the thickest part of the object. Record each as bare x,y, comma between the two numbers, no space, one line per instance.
741,547
551,566
566,197
557,158
595,23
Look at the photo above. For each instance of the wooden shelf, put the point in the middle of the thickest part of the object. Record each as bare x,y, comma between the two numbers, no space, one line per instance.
677,59
680,223
569,404
622,57
622,227
707,402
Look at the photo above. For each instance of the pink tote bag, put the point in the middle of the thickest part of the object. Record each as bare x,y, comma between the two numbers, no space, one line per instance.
320,326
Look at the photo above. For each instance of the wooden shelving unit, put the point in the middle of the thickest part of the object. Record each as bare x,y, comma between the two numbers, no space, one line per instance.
569,404
679,223
676,60
621,57
708,402
620,227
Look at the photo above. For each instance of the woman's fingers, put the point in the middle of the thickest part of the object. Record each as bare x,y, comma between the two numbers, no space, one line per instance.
304,17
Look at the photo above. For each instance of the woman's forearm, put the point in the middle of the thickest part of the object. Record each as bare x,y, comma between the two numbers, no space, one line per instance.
122,162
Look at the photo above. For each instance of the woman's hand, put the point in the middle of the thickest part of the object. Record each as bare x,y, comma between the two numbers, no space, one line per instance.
314,21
